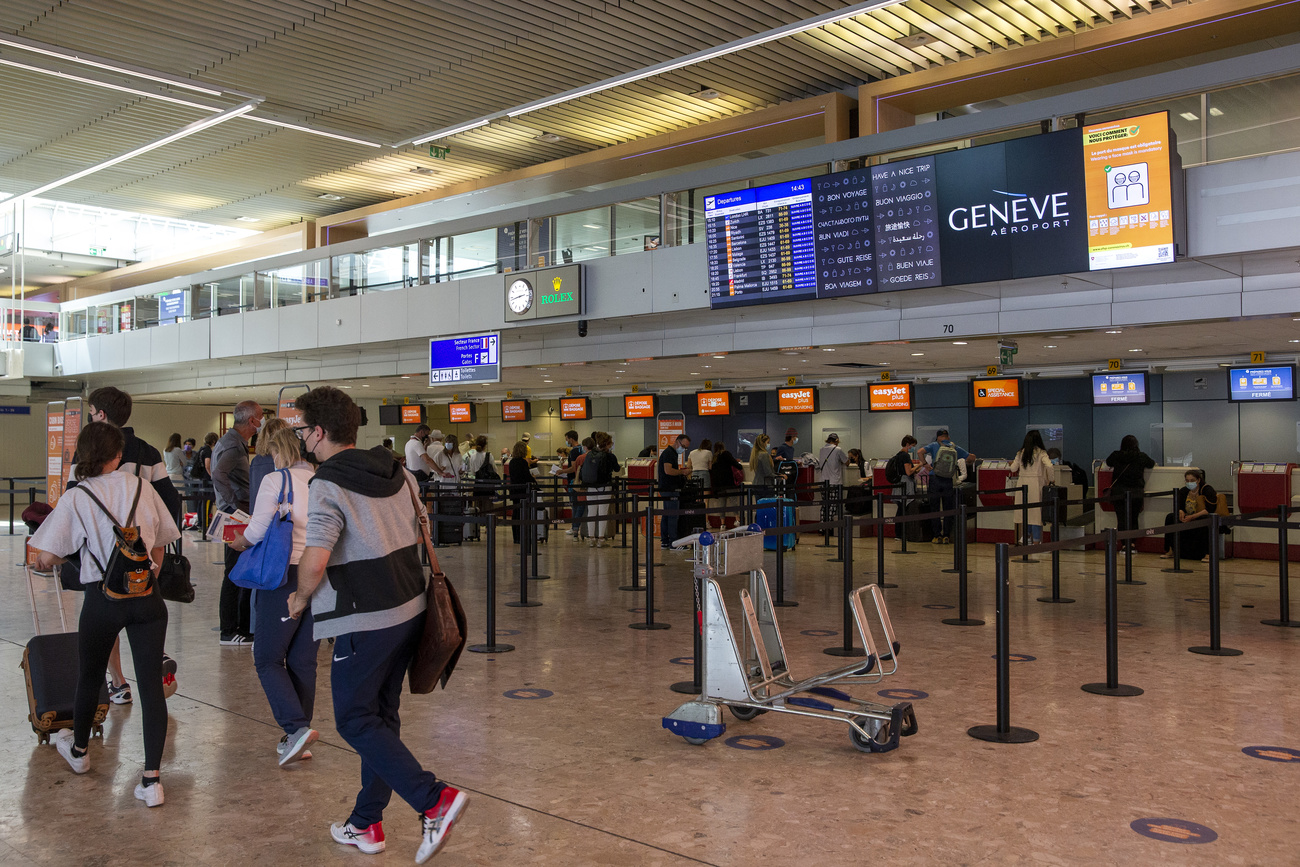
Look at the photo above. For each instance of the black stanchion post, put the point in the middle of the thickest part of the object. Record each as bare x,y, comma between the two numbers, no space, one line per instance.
1024,522
622,509
827,512
1178,552
491,646
1003,732
846,648
540,523
780,601
1112,686
1216,647
900,529
635,586
880,541
695,686
963,613
1283,575
1056,558
839,548
525,530
959,532
649,622
1128,558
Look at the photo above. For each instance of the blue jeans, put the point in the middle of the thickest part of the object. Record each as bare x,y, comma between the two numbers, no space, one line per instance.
285,656
578,509
943,495
668,523
366,676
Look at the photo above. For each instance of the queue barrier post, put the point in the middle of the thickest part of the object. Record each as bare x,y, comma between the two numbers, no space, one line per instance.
534,534
880,542
1024,523
846,648
1215,647
1112,686
959,530
780,601
491,646
1056,596
1177,545
1003,732
1283,575
635,586
901,534
525,530
695,686
649,623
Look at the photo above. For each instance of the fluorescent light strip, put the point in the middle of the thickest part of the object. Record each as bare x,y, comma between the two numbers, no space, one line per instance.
451,130
183,132
320,132
105,63
721,135
95,82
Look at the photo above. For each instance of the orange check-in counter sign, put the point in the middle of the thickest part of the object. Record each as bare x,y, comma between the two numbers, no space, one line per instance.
796,400
996,392
889,397
639,406
714,402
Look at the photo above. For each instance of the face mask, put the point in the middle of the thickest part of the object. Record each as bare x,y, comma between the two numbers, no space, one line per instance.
681,450
794,442
1191,486
1056,462
449,446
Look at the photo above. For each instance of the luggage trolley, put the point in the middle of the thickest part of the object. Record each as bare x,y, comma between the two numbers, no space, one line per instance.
757,679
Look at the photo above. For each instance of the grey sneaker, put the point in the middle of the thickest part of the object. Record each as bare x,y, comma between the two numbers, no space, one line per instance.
292,746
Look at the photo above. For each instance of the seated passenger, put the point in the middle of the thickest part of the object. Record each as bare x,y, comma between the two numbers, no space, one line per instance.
1198,500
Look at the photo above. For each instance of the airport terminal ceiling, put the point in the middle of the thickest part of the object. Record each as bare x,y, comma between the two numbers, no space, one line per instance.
339,85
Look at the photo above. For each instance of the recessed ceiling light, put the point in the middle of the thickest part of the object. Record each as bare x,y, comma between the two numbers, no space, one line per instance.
345,386
914,354
406,377
959,343
549,137
1135,350
828,349
719,356
1049,345
363,385
330,197
1187,115
707,366
423,170
248,219
1293,341
590,226
785,368
693,373
1216,112
1115,332
707,93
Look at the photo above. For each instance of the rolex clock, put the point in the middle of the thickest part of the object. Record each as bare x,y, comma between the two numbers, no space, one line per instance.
519,297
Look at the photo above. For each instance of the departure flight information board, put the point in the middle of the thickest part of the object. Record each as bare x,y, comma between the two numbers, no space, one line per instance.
761,244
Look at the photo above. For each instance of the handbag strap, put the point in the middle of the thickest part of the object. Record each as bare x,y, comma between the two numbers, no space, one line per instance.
423,519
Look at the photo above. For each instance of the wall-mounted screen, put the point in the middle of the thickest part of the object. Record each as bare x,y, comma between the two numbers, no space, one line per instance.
889,396
575,408
798,400
713,402
988,393
1054,203
1274,382
462,413
406,413
640,405
516,410
1110,388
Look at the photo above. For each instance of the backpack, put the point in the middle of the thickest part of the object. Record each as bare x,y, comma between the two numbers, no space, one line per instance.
1077,475
197,470
945,461
593,469
128,573
894,469
486,470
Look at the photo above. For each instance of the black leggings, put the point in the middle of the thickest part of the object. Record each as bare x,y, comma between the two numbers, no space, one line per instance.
145,622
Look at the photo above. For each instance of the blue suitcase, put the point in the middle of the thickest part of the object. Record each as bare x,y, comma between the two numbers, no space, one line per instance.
767,518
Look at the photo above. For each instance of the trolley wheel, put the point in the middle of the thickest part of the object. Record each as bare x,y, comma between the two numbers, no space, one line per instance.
695,741
745,714
879,730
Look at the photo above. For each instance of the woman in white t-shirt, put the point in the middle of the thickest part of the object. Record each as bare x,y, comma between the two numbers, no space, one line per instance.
79,524
701,461
285,652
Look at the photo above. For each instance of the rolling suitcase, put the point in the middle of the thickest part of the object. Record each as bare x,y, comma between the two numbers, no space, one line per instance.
769,517
446,503
50,668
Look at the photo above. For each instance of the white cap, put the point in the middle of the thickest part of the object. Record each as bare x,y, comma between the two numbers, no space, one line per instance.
435,434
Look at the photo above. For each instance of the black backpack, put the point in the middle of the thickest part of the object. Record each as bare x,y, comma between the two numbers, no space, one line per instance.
593,473
894,469
197,470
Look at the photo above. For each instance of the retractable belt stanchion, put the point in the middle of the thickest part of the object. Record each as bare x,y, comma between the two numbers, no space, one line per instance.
525,529
1215,648
622,510
1128,550
1024,522
539,521
694,686
1003,732
959,532
1056,558
1178,553
846,648
491,646
839,549
880,542
1112,686
901,534
649,622
963,617
780,601
635,586
1283,575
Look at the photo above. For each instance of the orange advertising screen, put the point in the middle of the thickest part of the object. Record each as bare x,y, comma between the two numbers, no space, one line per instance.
575,408
996,392
516,410
1129,192
797,400
412,413
889,397
713,402
462,413
640,405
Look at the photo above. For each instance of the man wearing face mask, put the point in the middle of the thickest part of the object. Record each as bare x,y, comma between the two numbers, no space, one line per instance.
943,455
230,481
671,477
785,451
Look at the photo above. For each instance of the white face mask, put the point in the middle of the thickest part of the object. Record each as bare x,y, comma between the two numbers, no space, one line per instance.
449,446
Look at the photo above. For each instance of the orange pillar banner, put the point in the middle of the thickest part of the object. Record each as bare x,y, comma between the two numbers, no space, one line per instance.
71,430
670,426
54,452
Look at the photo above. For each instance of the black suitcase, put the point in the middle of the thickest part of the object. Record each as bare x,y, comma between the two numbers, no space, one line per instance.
449,532
50,665
918,531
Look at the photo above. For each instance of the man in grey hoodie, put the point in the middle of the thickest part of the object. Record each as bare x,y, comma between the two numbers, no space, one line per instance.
361,574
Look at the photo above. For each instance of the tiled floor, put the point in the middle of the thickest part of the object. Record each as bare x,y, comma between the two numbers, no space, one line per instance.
587,775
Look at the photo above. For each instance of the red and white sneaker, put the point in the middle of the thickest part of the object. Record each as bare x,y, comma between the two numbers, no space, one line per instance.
438,822
369,840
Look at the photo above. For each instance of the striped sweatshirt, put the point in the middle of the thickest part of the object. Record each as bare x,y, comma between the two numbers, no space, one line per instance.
360,510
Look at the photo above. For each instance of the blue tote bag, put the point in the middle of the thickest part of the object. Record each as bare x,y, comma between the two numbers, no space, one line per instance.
265,565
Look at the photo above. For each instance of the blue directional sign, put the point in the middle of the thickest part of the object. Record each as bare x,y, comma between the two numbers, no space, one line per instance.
171,307
472,359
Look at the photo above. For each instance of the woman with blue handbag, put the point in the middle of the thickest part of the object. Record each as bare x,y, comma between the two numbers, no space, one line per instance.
285,652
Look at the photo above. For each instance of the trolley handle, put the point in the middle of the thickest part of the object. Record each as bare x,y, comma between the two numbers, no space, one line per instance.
704,539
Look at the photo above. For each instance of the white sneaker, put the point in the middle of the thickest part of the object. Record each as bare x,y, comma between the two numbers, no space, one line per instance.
63,742
151,795
370,841
436,823
600,543
570,532
591,543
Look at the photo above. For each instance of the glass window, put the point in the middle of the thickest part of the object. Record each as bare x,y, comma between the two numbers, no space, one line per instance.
636,226
75,323
146,312
285,287
1254,119
470,255
375,270
581,235
232,294
1184,117
201,300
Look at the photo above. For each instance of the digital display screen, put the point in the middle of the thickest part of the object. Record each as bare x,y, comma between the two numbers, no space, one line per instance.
462,413
803,399
1130,193
409,413
1110,388
1055,203
713,402
989,393
575,408
1246,384
475,358
516,410
889,396
640,405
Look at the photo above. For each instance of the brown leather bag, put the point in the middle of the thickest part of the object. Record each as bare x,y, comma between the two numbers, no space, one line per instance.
445,627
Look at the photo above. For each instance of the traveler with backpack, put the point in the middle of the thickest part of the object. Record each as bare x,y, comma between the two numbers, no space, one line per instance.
1130,464
901,469
942,455
201,466
598,469
831,461
1033,470
121,525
